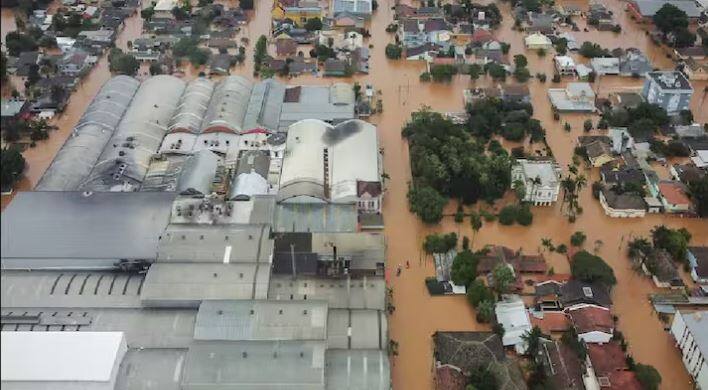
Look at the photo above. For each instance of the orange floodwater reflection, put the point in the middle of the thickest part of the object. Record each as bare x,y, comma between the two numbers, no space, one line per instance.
418,315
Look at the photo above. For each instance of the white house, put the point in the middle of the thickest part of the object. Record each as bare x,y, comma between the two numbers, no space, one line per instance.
690,330
512,316
538,41
564,65
541,179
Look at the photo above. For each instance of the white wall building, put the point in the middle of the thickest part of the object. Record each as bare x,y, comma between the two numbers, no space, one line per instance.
691,333
512,315
61,360
541,178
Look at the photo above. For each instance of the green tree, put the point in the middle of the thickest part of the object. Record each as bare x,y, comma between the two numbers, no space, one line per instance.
427,203
524,216
670,18
699,192
590,268
464,268
674,241
532,339
485,311
443,73
496,71
520,61
503,278
147,13
592,50
578,239
507,215
393,51
260,52
475,71
313,24
3,66
648,376
478,292
122,63
561,46
476,222
12,166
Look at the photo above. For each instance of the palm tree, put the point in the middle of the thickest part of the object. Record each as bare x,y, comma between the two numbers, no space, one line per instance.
532,339
536,181
476,220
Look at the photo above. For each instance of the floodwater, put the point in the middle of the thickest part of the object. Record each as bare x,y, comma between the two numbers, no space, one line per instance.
418,315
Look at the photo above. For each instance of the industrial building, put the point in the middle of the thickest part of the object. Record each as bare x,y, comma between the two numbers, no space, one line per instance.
161,250
138,136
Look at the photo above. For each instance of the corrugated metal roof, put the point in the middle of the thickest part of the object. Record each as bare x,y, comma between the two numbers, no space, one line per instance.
125,159
261,320
365,293
265,105
228,105
192,106
255,365
198,173
358,369
76,158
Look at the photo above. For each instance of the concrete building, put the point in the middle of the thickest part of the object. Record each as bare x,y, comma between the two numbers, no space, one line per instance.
622,205
538,41
61,360
691,334
540,178
669,89
362,8
575,97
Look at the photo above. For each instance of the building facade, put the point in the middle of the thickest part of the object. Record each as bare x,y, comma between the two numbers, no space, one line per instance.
690,330
540,178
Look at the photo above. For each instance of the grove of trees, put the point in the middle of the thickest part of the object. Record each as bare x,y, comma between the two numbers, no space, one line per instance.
590,268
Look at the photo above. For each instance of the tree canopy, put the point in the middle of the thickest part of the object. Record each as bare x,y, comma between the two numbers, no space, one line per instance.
393,51
670,18
313,24
477,292
122,63
440,243
699,192
503,278
426,202
648,376
12,165
590,268
464,268
674,241
447,159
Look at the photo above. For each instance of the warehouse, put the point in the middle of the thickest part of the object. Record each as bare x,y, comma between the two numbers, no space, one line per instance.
323,163
80,152
125,159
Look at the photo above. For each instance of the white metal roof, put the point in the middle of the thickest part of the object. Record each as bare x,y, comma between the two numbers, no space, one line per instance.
60,356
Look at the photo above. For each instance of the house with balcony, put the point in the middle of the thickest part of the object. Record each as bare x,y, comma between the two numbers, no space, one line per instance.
540,178
690,330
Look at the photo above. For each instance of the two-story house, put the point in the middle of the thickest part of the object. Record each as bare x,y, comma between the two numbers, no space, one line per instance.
669,89
540,178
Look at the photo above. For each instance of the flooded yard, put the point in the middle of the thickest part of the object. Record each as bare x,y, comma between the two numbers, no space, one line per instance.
418,315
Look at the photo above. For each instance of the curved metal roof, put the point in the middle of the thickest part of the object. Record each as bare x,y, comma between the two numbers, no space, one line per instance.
76,158
228,106
125,159
192,106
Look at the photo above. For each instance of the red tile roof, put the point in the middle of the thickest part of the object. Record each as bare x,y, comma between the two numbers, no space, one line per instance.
551,322
624,380
673,193
449,378
481,35
591,318
606,358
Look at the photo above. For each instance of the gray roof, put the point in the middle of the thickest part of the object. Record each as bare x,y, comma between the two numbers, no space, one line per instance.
255,365
192,106
76,158
205,243
198,173
125,159
265,105
365,293
82,229
246,185
187,284
228,105
670,80
11,108
356,329
624,201
318,102
150,368
249,320
257,210
634,62
311,217
357,369
650,7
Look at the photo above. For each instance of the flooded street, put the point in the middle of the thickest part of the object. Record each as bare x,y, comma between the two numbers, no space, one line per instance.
418,315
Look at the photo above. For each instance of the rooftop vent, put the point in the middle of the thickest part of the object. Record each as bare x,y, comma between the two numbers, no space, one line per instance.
587,291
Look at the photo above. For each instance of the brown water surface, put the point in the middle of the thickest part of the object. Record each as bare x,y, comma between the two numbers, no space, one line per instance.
418,315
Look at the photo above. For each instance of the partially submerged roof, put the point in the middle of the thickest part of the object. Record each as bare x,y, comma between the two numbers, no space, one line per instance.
367,293
82,229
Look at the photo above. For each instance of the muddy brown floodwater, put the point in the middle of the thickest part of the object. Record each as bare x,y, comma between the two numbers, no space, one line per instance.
418,315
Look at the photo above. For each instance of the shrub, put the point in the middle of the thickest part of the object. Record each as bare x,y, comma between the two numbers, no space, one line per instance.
590,268
425,77
478,292
393,52
507,215
524,216
587,125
